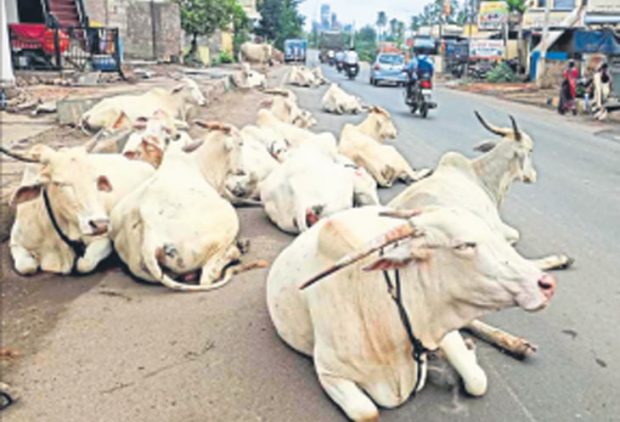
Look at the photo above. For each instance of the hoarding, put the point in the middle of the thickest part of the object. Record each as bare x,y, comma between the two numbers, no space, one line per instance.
486,49
603,6
492,15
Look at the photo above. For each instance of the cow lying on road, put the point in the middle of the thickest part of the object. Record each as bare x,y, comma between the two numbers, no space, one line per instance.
311,185
395,289
176,102
63,205
337,101
480,185
177,226
362,144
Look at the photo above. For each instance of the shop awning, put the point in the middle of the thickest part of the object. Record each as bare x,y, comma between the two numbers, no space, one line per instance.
603,41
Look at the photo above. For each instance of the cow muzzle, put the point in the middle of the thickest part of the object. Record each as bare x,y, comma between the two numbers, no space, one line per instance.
547,285
98,226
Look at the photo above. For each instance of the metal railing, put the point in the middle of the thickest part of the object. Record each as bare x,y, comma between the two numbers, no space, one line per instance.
78,48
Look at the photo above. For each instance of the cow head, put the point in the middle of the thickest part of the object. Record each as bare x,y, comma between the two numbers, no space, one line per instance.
382,123
364,185
150,138
457,257
73,186
190,91
515,146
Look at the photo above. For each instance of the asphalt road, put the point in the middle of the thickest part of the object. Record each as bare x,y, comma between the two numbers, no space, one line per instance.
125,351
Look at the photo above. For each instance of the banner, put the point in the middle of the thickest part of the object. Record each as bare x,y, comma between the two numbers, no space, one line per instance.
486,49
492,15
603,6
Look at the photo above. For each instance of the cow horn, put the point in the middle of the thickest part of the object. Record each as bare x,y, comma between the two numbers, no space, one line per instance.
515,128
401,232
17,156
493,129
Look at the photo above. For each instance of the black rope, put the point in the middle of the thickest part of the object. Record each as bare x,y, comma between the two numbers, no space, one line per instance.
77,246
394,289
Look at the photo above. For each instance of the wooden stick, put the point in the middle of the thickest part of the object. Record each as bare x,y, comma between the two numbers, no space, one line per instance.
517,347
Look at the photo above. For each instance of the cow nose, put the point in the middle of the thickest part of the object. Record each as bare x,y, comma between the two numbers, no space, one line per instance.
99,226
547,285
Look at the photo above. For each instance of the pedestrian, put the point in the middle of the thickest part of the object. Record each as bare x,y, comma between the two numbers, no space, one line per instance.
568,90
602,90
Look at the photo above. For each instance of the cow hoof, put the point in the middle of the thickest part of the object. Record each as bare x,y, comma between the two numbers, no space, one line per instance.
568,262
476,382
84,265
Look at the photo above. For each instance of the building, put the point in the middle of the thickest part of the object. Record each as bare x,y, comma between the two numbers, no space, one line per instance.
250,9
325,17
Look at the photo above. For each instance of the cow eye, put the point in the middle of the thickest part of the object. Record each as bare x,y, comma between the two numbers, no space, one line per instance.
464,246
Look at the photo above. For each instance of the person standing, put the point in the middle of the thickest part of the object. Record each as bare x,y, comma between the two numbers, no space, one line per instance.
568,90
602,90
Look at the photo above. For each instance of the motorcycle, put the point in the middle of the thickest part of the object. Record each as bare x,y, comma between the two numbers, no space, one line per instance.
351,70
339,65
419,96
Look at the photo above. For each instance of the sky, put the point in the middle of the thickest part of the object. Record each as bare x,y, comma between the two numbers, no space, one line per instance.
363,12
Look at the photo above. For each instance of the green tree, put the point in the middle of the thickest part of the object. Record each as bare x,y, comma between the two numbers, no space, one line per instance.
393,28
381,21
204,17
280,20
366,43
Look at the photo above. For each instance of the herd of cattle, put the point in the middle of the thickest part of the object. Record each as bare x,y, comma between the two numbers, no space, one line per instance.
164,201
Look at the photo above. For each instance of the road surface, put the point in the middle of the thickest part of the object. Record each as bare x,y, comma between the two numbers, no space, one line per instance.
126,351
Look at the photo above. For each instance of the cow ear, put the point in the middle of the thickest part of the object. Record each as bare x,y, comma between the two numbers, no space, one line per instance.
178,88
26,193
122,122
103,184
131,155
485,146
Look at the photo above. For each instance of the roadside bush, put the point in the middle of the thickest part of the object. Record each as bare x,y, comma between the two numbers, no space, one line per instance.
501,73
225,57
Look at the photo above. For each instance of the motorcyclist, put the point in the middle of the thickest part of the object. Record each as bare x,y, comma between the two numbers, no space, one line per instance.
339,59
416,68
351,60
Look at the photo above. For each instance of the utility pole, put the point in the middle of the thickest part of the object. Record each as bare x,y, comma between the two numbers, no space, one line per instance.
542,61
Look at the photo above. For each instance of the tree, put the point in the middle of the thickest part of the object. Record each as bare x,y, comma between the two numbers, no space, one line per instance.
366,43
204,17
393,27
381,21
280,20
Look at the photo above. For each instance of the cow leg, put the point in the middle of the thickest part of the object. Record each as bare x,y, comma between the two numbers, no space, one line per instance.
464,362
25,262
96,252
554,262
351,399
510,234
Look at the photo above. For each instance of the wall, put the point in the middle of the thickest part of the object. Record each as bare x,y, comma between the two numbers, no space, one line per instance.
136,20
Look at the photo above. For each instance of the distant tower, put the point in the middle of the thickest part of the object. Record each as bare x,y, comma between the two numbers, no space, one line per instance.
334,21
325,12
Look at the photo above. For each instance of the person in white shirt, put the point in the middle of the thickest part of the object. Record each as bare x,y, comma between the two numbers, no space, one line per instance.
351,59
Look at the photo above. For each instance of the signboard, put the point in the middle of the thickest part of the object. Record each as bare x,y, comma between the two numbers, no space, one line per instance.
492,15
486,49
603,6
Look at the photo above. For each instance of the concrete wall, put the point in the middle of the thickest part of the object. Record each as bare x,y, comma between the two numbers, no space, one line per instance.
137,20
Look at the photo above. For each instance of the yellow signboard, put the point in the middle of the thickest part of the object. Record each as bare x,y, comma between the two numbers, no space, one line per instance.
492,15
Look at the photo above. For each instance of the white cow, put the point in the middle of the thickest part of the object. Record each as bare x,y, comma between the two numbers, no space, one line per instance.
287,110
256,53
304,77
451,267
177,226
276,144
337,101
295,136
481,184
177,102
76,190
250,78
312,184
362,144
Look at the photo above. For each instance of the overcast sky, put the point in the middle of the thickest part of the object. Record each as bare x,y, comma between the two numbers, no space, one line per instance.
363,11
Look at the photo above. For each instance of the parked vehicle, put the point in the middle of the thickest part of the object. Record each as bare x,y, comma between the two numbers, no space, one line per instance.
388,67
295,50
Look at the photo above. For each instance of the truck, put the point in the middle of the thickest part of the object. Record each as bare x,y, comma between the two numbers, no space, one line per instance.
330,40
295,50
